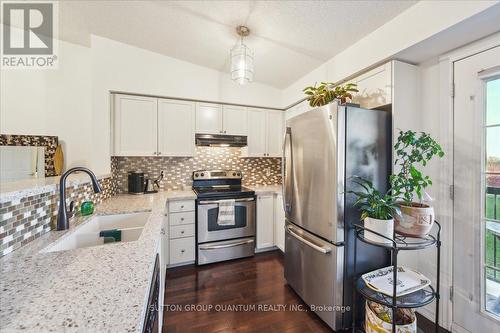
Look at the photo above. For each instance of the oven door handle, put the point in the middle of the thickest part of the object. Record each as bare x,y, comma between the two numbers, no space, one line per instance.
223,246
207,202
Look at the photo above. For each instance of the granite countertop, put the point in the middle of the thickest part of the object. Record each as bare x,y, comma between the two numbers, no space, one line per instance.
266,189
95,289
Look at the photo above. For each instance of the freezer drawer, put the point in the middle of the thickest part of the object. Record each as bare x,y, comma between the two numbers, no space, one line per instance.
225,250
314,269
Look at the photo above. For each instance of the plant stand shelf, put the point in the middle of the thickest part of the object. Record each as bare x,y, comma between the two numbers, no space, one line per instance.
413,300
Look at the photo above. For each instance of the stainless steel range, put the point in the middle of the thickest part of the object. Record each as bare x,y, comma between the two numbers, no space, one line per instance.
216,241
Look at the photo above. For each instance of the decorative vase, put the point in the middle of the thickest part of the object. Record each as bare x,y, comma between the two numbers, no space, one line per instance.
383,227
416,220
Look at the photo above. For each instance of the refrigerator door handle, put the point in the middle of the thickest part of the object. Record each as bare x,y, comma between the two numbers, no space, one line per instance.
317,247
287,205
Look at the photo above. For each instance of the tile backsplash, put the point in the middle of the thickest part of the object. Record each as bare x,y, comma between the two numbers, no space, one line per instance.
178,170
28,217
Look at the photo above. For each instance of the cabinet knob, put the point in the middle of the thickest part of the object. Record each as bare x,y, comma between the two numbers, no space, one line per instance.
224,132
159,153
182,219
182,206
182,231
182,251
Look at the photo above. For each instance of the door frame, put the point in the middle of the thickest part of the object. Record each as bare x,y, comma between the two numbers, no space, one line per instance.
446,136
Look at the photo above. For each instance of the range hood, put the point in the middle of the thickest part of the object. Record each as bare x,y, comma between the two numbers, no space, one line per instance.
215,140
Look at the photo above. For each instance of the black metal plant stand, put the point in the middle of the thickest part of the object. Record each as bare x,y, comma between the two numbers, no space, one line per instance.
414,300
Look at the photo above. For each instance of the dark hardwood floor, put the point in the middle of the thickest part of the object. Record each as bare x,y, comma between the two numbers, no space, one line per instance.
243,285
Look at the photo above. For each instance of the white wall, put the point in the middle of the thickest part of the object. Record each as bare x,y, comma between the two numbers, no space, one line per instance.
405,30
52,102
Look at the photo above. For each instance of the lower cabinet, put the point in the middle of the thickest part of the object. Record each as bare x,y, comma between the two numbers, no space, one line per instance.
279,223
181,232
265,221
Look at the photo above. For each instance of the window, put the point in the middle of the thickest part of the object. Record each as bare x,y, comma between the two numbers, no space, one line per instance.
492,199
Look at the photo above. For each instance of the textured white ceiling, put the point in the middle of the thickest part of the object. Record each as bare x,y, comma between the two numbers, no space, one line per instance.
289,38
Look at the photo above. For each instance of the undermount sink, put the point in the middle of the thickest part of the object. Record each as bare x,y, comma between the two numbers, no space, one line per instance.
102,230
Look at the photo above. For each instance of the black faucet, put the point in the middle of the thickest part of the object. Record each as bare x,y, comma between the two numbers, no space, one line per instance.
62,215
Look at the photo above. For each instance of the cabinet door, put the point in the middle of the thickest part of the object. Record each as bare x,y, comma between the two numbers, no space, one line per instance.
274,133
234,120
279,223
135,126
208,118
256,133
374,87
265,221
175,128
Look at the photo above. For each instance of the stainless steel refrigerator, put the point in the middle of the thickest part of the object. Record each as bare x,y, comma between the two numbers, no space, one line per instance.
323,149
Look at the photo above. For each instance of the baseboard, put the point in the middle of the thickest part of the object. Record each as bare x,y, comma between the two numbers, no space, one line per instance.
265,249
426,325
458,329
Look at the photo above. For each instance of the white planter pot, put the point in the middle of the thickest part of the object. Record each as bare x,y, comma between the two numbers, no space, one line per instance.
383,227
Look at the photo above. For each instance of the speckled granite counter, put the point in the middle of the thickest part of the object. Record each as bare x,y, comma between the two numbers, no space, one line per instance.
95,289
266,189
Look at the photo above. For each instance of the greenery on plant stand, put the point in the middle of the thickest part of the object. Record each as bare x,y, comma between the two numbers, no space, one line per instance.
373,203
411,150
327,92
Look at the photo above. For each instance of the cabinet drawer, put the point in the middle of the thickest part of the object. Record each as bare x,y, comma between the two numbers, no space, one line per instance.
181,218
181,250
181,206
181,231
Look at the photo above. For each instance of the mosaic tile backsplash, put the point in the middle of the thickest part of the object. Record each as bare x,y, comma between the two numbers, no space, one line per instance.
49,142
25,219
178,170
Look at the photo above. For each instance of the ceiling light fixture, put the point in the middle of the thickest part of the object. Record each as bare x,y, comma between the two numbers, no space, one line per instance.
242,59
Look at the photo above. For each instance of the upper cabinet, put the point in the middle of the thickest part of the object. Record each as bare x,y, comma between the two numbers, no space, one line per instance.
234,120
135,126
375,87
221,119
209,118
175,127
265,133
144,126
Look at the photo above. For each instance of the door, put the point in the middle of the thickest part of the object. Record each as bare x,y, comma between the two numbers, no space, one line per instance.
135,126
476,222
274,133
311,191
234,120
279,223
256,133
265,221
175,128
314,269
208,118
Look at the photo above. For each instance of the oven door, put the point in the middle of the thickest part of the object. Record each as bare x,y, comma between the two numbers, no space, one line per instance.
209,230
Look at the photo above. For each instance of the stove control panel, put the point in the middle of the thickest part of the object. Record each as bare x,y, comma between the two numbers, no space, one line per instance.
217,174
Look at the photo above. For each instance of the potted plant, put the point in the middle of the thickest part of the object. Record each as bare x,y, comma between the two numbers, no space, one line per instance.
377,210
412,150
327,92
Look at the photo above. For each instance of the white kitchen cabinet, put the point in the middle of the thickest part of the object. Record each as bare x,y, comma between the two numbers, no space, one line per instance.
256,133
274,133
176,127
135,125
265,221
265,133
374,87
209,118
181,232
279,223
234,120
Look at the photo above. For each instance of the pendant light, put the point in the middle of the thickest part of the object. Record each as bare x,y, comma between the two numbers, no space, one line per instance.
242,59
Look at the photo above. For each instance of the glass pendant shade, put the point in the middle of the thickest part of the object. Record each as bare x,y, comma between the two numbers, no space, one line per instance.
241,64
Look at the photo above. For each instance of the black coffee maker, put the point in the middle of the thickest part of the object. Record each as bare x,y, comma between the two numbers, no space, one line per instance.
135,182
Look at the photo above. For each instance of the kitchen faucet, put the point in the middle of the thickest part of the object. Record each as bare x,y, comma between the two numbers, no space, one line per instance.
62,215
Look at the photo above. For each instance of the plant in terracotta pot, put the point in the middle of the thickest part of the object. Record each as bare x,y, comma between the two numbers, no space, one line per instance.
377,210
327,92
413,150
